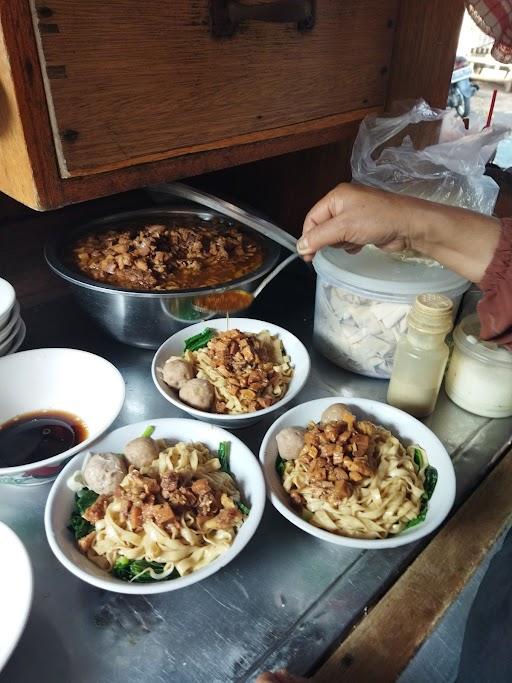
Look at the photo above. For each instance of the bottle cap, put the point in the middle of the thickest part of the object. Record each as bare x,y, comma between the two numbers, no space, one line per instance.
431,314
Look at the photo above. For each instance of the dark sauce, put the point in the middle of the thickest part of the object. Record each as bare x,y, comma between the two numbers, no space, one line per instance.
39,435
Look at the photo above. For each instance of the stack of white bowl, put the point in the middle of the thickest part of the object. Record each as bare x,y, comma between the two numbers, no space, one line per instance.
12,327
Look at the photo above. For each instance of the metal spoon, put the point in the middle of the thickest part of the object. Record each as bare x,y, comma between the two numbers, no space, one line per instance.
235,300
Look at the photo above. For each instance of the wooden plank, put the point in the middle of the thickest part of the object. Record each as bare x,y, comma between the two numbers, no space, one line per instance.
17,176
28,168
424,50
380,647
302,137
137,83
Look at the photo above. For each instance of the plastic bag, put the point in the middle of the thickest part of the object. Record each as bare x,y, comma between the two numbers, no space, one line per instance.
395,153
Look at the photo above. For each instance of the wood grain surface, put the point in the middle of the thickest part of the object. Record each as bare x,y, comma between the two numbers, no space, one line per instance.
380,647
17,173
132,82
424,50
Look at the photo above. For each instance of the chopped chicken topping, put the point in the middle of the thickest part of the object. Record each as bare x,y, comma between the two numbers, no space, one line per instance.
160,257
337,456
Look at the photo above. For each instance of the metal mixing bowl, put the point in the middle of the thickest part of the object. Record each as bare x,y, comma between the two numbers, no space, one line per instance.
142,318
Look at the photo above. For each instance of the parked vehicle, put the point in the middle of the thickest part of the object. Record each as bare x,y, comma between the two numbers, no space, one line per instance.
462,88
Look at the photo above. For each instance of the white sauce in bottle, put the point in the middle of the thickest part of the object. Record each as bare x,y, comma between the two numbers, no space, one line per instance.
421,356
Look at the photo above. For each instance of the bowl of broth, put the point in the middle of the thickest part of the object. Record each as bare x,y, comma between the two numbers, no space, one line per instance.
54,402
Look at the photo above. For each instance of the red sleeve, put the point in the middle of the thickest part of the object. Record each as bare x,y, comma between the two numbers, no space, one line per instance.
495,307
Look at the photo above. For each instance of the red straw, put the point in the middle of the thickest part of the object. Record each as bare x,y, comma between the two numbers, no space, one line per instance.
491,108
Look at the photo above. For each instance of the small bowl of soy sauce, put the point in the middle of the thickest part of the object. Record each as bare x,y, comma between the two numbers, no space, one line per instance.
54,402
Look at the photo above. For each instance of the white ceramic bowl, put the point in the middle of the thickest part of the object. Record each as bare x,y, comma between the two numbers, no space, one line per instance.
18,339
12,319
7,299
58,379
16,588
406,428
7,343
243,465
174,346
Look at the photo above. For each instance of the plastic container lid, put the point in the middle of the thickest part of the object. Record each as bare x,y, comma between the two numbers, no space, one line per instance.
377,275
466,338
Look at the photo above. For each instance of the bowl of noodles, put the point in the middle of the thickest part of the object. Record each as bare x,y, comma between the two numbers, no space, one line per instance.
155,506
231,373
357,473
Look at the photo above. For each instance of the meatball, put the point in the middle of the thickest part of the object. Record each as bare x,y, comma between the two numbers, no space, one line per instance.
104,472
197,393
290,442
141,452
176,372
338,412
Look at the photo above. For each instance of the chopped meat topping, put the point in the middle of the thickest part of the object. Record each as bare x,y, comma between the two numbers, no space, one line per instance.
251,368
337,456
96,511
226,518
86,542
138,487
166,257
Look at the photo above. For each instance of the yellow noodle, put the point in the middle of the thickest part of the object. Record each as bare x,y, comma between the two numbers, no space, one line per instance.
187,548
205,369
381,505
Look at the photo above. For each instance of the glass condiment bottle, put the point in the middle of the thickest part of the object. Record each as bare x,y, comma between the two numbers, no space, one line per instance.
421,356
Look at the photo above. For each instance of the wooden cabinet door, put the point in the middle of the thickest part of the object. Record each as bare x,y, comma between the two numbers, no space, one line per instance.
129,82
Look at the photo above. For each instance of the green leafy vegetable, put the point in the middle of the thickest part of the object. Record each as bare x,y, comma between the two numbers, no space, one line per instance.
199,340
223,456
422,514
136,571
84,499
428,486
77,524
280,466
148,432
430,481
418,458
242,507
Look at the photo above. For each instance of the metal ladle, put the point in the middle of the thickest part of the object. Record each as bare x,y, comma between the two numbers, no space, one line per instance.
235,300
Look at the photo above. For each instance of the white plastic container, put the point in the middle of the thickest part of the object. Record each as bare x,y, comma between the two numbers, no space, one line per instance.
479,377
362,302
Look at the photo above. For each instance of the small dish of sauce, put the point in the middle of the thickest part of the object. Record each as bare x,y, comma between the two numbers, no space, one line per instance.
39,435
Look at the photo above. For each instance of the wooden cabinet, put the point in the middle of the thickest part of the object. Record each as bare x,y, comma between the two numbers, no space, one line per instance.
98,97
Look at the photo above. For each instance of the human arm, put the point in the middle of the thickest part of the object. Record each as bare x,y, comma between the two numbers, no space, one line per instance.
477,247
351,216
495,307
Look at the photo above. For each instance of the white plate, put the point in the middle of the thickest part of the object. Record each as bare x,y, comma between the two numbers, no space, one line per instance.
243,464
14,315
9,340
18,340
7,299
174,346
406,428
15,591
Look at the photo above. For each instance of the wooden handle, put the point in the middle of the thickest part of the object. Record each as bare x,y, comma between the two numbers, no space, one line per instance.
227,15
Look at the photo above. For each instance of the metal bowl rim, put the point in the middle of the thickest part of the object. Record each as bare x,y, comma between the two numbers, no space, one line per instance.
53,246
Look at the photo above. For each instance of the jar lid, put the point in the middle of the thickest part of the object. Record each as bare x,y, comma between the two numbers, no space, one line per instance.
376,274
467,338
431,314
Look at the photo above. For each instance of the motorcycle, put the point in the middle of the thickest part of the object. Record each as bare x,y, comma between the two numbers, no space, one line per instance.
462,88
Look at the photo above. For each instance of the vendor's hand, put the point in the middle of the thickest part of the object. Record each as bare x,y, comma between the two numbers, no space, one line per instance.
351,216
